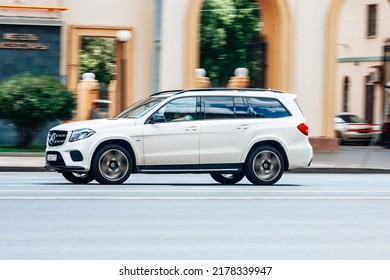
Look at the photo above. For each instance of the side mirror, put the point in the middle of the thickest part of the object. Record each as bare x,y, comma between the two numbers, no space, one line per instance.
157,119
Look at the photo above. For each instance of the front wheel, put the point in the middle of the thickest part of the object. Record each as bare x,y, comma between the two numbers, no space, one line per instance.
227,178
78,178
112,164
264,166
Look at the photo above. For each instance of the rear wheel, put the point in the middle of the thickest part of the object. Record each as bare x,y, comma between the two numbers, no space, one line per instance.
78,178
264,166
112,164
227,178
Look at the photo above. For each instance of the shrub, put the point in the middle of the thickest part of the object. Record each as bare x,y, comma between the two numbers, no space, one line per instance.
30,102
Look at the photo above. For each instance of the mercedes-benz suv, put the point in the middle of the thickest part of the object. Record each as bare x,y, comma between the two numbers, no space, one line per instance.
228,133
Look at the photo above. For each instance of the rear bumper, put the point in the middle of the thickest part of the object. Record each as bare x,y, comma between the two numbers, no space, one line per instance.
356,136
300,156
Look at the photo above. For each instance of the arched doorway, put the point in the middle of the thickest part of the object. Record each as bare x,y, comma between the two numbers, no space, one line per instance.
278,34
276,31
230,37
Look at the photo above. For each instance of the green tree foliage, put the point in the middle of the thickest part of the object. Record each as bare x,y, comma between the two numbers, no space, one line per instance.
97,56
30,102
230,32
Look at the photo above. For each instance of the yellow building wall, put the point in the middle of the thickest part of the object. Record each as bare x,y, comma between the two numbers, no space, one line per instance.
116,13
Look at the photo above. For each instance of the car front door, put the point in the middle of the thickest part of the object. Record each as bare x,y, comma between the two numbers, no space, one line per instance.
171,135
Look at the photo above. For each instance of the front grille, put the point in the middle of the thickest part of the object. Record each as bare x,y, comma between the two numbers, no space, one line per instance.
56,138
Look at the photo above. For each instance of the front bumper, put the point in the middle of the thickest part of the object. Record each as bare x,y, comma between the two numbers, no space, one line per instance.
55,161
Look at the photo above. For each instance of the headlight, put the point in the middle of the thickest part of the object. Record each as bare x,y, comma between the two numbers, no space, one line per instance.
81,134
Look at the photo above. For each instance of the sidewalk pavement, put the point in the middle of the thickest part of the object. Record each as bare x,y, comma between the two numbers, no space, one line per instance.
348,159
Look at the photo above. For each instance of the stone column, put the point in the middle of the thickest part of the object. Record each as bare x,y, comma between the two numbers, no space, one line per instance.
87,93
112,96
201,81
240,79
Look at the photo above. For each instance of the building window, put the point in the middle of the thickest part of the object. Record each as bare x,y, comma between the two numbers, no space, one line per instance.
369,104
371,20
345,94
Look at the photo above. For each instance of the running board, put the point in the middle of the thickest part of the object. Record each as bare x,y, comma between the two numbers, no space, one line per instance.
192,168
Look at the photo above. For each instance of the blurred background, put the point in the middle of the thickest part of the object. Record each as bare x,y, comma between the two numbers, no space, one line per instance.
335,55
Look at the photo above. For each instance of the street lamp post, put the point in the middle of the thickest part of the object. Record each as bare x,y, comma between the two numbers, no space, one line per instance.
123,36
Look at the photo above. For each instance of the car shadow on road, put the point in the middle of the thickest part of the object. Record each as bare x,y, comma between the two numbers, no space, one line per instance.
170,184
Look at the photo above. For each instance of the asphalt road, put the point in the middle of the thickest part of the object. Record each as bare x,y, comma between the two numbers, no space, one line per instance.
184,217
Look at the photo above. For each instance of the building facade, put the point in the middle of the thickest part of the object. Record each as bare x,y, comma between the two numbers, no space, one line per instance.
311,49
364,27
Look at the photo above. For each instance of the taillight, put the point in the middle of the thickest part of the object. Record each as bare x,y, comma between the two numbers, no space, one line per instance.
304,128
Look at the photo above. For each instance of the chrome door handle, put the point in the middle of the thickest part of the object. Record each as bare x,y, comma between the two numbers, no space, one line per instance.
244,126
191,128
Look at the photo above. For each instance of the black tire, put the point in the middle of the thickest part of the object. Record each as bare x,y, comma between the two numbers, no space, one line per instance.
78,178
264,166
111,164
227,178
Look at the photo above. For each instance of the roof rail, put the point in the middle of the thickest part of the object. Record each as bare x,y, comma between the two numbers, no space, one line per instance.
167,91
260,89
230,89
178,91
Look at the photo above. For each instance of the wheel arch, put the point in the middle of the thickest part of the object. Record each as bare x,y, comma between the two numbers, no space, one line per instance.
274,144
125,144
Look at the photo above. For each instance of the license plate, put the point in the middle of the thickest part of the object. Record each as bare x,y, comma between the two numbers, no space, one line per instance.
51,157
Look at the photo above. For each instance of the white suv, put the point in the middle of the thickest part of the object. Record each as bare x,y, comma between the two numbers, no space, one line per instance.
228,133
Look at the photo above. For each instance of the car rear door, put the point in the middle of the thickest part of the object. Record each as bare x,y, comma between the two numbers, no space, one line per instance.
226,128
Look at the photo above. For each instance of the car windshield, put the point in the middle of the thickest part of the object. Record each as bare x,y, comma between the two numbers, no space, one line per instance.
140,108
352,119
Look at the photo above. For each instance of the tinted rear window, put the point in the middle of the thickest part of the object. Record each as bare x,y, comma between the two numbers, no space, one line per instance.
267,108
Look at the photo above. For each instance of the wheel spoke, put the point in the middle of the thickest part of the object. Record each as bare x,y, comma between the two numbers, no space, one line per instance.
113,164
266,165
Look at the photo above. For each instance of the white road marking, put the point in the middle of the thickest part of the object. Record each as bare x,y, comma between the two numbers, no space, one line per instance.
195,198
188,190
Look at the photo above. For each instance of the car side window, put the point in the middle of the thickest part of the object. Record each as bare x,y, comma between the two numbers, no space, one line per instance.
241,108
218,107
267,108
181,109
